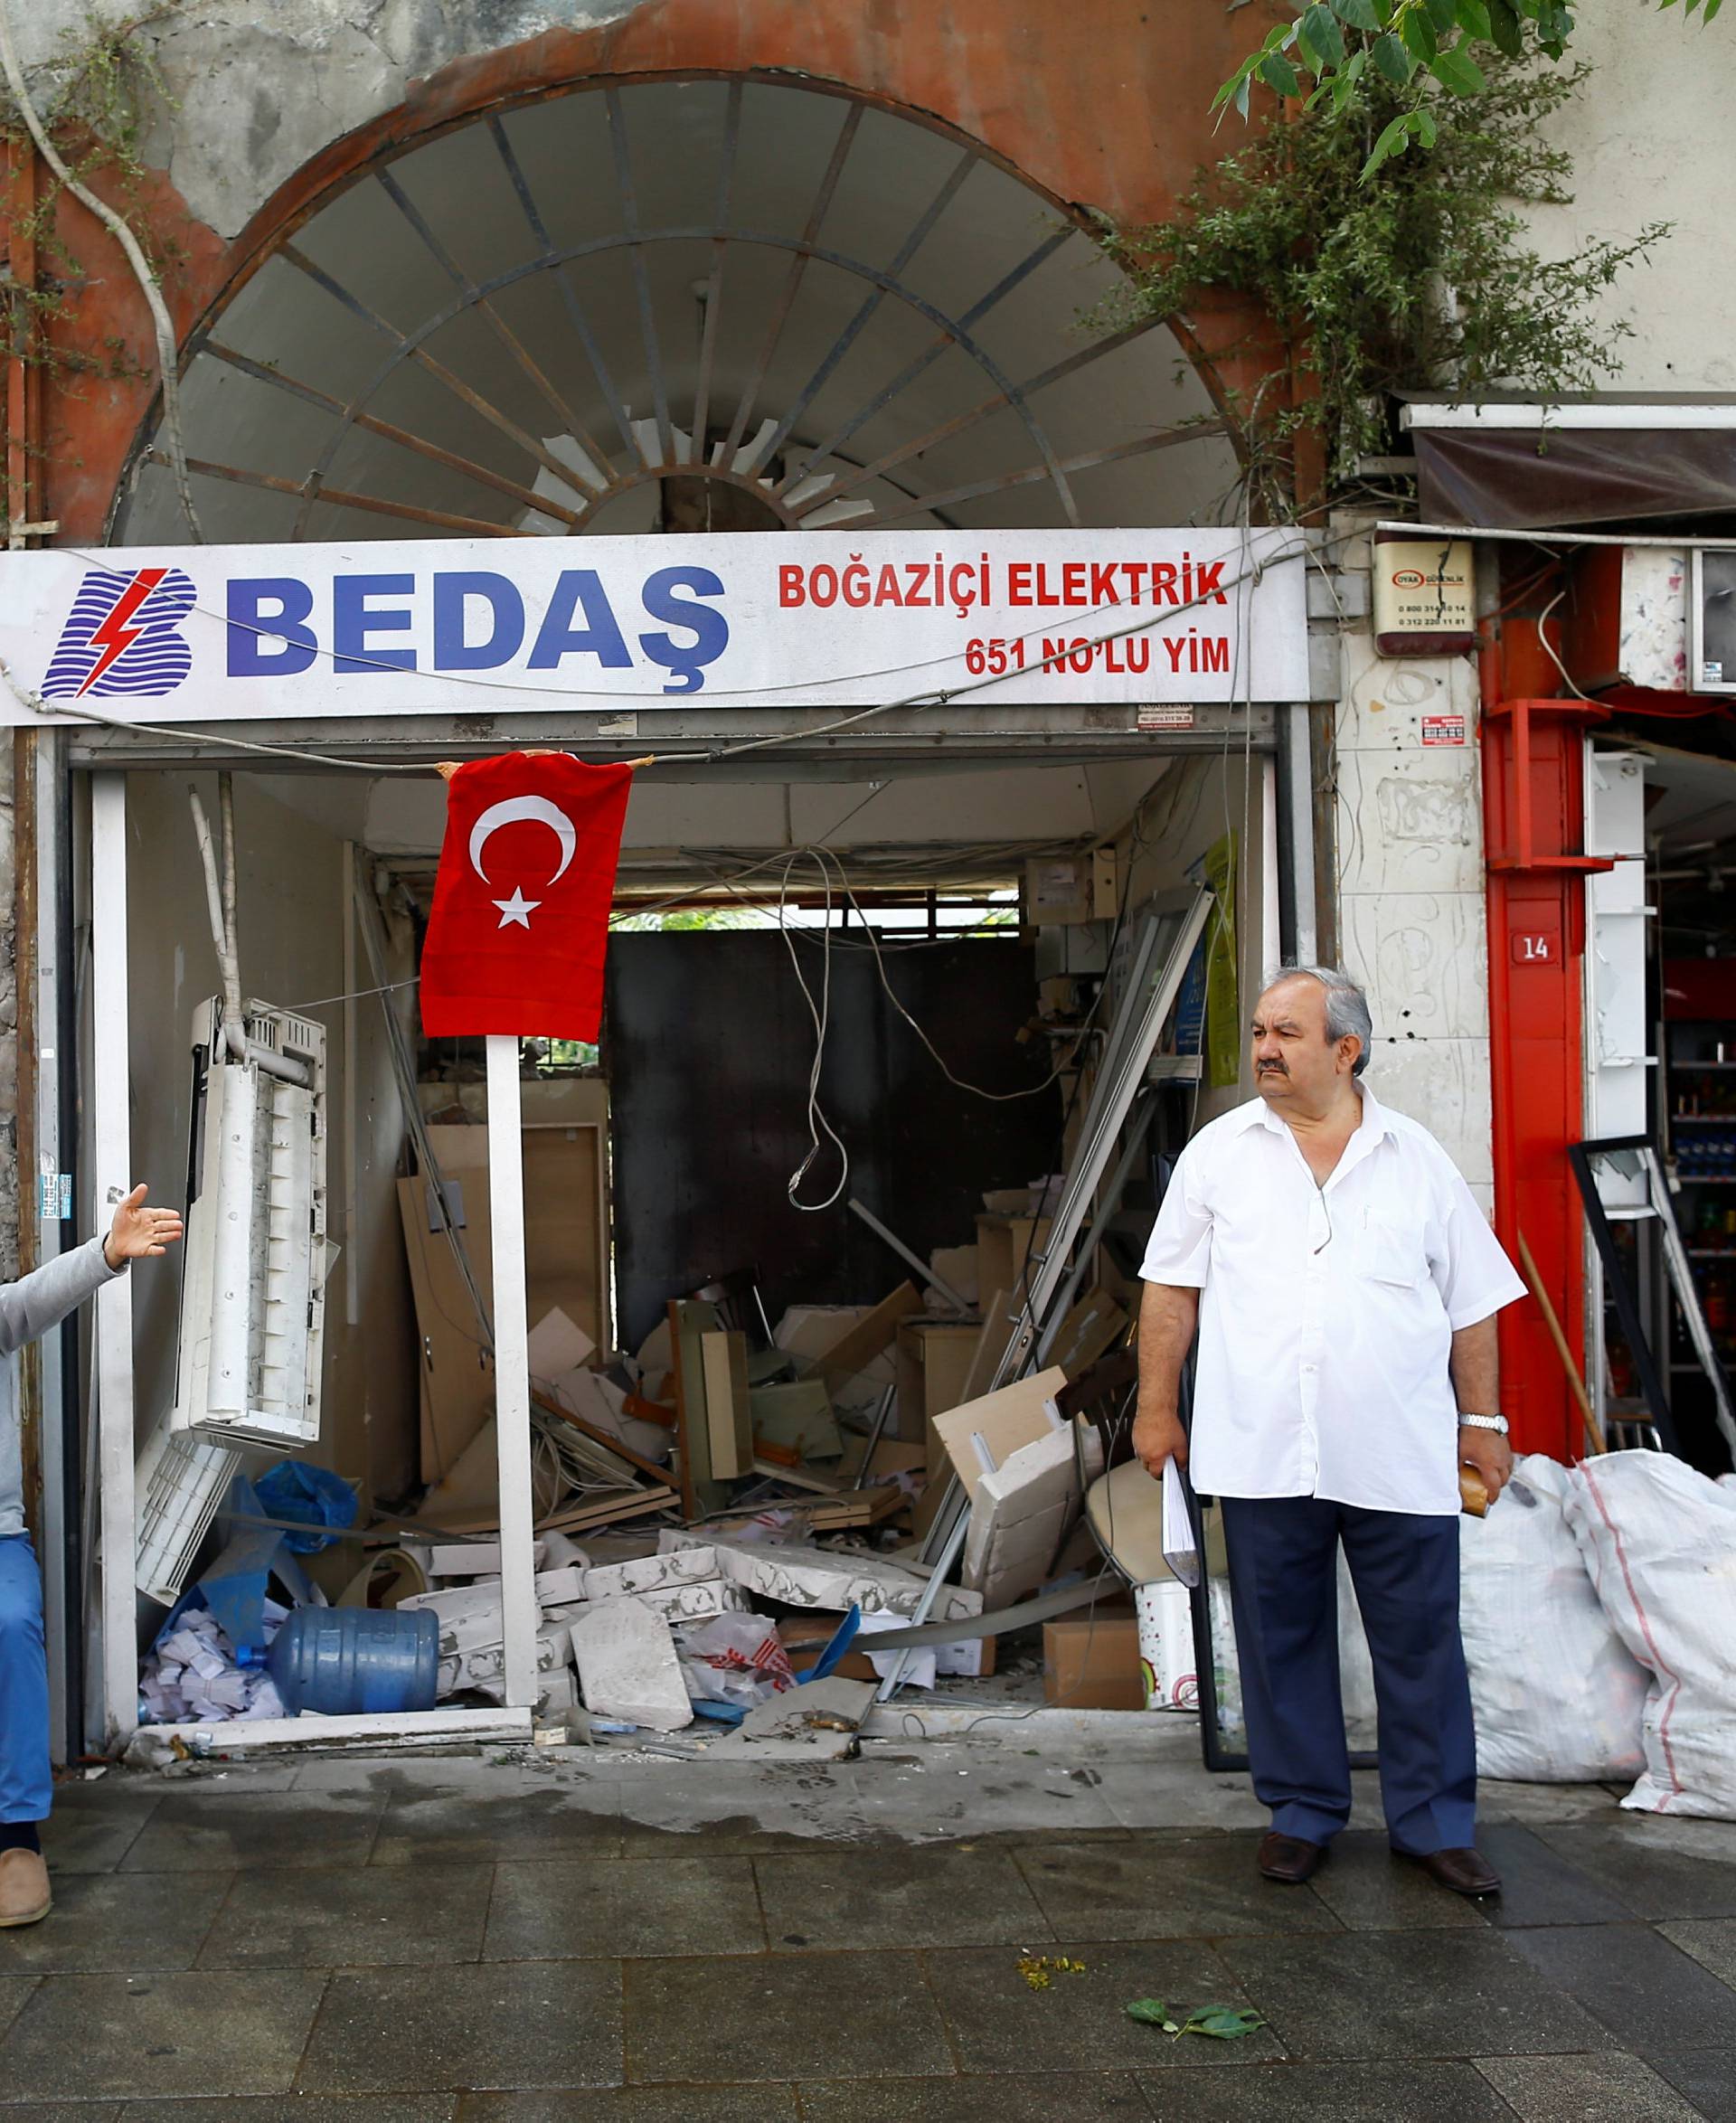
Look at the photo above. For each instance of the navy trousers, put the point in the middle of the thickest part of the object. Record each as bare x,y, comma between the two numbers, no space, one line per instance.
26,1782
1284,1593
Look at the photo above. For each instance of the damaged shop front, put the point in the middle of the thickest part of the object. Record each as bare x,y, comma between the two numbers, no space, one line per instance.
750,1365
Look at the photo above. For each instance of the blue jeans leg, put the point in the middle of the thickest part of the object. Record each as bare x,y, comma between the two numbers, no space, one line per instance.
26,1781
1405,1570
1284,1594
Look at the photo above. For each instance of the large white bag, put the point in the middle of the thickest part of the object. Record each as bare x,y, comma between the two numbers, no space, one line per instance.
1557,1693
1659,1542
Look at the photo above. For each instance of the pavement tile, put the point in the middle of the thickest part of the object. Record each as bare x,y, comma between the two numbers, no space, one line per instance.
1547,1802
91,2037
1179,1796
15,1994
368,1915
443,1827
968,1894
1609,2089
1046,2096
1657,1877
63,2112
615,1908
115,1923
502,2024
209,1831
1368,1889
780,2017
94,1839
999,2024
736,1809
1409,1994
294,2107
1329,2093
1542,1885
1197,1888
1711,1942
1706,2076
1647,1991
635,2104
1015,1801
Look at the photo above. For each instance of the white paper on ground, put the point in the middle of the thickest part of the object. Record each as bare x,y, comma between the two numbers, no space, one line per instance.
1179,1552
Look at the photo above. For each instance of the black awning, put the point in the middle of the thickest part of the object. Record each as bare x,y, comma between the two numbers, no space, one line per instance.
1532,479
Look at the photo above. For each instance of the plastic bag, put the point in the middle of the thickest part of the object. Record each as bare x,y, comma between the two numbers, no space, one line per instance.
1557,1695
735,1658
1659,1542
311,1496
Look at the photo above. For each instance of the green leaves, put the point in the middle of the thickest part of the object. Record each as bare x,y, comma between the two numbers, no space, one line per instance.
1456,70
1218,2023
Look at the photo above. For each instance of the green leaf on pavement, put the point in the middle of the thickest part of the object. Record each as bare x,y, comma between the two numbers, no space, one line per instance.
1152,2011
1223,2022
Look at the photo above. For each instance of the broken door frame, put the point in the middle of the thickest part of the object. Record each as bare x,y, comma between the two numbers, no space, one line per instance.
115,1621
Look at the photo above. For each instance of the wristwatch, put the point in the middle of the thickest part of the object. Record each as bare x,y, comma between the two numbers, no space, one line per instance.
1484,1422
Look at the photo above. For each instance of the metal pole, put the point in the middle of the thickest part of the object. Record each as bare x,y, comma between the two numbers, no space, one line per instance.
519,1610
112,1160
62,1593
931,1279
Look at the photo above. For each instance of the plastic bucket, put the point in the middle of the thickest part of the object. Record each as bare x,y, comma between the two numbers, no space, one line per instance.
356,1661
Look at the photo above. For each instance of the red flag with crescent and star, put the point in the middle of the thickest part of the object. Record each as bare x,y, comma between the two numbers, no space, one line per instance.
521,898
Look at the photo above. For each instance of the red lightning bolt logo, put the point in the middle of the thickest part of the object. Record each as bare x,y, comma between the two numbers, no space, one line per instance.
115,634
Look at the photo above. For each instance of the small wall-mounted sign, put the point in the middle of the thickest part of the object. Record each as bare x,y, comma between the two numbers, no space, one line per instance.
1424,596
1165,715
53,1197
1443,730
1536,946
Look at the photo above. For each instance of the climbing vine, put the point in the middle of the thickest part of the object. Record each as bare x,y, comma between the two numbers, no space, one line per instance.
1427,279
95,97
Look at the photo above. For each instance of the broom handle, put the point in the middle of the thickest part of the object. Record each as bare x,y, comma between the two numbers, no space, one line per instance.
1592,1432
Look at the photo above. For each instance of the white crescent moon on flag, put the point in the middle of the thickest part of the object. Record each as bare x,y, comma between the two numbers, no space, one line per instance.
509,812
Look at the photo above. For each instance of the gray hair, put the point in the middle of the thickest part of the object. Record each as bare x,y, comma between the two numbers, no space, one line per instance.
1347,1010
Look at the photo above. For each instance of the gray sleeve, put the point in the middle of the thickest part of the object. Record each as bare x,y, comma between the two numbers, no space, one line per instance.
42,1300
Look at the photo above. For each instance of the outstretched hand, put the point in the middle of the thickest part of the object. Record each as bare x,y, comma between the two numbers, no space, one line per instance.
138,1232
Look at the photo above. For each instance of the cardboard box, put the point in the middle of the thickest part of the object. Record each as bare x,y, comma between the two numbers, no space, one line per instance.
1064,889
1092,1661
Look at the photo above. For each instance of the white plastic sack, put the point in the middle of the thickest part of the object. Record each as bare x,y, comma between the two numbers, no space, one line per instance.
1659,1540
1557,1695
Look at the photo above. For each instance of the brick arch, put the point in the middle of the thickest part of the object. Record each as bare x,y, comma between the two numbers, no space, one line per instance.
1092,105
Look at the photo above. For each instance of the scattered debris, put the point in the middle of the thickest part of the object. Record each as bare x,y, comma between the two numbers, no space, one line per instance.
1039,1969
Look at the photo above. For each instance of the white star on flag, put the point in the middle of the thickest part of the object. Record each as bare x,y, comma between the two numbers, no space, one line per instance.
517,908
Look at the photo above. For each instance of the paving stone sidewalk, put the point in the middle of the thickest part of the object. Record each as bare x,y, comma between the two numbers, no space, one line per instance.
454,1940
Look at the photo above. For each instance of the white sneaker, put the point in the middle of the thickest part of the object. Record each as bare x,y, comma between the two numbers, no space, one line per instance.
25,1896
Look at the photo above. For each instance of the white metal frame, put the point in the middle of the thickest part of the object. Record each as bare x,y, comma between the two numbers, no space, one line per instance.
112,1370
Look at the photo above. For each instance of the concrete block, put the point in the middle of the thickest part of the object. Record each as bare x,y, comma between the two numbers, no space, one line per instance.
798,1575
696,1603
629,1667
554,1587
471,1559
652,1573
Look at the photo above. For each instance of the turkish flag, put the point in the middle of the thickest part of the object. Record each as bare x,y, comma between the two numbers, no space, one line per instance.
521,898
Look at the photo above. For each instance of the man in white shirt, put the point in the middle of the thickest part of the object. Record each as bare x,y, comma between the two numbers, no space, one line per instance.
1343,1285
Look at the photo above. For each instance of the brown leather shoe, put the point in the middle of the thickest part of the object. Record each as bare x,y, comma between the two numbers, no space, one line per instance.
1287,1859
25,1895
1465,1871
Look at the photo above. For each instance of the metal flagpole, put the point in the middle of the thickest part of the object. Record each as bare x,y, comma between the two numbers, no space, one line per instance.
512,1371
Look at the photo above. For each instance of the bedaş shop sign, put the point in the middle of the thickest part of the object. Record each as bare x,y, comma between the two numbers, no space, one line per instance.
214,633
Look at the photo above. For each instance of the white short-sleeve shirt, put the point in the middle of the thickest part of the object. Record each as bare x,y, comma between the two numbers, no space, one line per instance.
1327,1315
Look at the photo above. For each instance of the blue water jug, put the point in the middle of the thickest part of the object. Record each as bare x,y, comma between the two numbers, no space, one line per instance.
356,1661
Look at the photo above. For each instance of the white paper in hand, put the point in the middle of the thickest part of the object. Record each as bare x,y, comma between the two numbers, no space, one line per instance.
1179,1551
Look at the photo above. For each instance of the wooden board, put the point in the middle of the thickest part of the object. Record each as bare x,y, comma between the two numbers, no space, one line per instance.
1000,1324
689,1319
729,1421
934,1360
856,1349
566,1261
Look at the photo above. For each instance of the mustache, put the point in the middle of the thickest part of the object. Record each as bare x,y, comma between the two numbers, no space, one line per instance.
1271,1068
